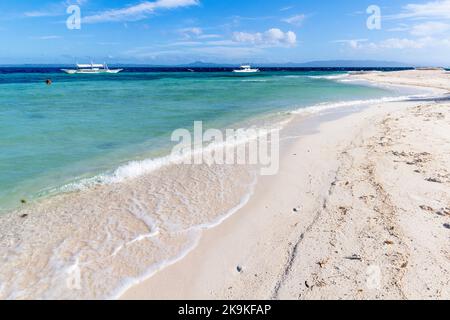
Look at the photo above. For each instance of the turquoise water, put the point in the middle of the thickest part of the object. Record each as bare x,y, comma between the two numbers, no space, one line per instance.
85,125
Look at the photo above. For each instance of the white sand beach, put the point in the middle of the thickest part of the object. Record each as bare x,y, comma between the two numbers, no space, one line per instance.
359,210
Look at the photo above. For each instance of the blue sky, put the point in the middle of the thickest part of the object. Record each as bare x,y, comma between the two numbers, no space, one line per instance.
225,31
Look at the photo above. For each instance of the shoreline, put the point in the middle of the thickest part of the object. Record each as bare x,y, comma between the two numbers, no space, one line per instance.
247,242
148,164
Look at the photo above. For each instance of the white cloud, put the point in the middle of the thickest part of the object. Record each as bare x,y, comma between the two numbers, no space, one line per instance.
194,52
190,32
46,13
54,10
182,44
429,28
47,37
221,43
272,37
236,47
287,8
435,9
352,43
139,11
401,27
392,43
396,43
209,36
420,43
196,33
296,20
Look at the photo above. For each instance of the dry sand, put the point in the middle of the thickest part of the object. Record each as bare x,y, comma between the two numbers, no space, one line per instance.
359,210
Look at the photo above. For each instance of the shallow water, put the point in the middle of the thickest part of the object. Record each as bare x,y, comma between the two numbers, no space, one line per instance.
85,125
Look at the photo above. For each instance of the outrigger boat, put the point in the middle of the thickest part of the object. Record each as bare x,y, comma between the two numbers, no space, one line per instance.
246,70
91,69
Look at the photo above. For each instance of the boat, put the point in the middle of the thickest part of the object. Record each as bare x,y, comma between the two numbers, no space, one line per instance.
246,69
91,69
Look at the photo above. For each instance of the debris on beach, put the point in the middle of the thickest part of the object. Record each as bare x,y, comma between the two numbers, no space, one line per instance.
343,210
322,263
445,211
427,208
354,257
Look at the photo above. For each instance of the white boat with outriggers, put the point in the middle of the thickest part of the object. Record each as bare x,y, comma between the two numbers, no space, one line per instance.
246,69
92,69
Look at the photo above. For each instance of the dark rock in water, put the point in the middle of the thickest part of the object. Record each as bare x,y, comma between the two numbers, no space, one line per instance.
23,201
106,146
36,116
